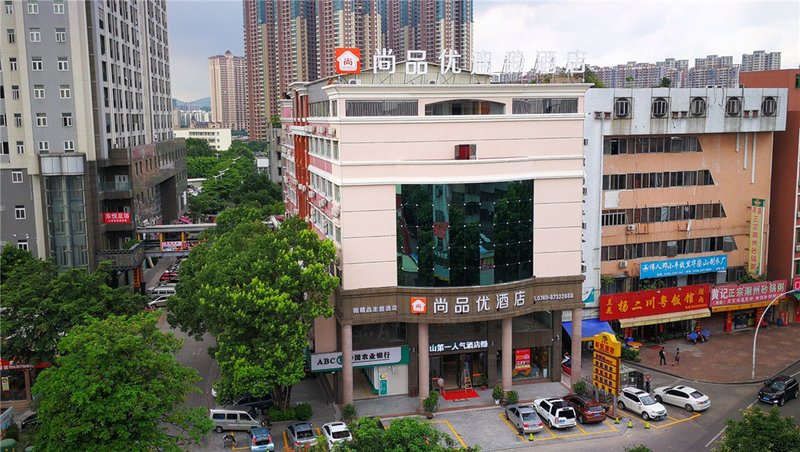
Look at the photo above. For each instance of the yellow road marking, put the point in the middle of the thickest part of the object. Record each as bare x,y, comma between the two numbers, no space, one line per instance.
578,424
450,426
674,421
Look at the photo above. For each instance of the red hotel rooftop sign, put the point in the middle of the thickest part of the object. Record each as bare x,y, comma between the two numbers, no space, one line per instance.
653,302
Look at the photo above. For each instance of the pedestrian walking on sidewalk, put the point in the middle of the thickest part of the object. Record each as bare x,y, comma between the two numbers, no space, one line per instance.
662,357
677,356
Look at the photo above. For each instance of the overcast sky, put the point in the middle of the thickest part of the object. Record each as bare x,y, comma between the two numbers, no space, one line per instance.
609,32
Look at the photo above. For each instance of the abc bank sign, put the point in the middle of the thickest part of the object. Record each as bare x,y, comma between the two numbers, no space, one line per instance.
332,361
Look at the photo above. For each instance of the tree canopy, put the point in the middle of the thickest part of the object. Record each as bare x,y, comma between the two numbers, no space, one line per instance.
257,290
758,430
117,386
40,305
408,434
198,147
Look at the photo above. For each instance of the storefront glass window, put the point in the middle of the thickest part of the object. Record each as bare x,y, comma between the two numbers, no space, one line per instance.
12,383
535,321
379,334
539,364
464,234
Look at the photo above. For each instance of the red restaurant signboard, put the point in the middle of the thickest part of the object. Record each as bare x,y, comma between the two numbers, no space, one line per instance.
653,302
733,294
116,217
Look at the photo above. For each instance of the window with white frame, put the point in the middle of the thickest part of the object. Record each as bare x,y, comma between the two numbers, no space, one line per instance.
37,64
18,119
63,64
66,119
44,146
697,107
58,7
14,92
733,107
660,107
64,92
16,177
38,91
622,107
35,35
9,7
33,7
20,147
12,63
41,119
61,35
69,146
23,245
19,212
12,36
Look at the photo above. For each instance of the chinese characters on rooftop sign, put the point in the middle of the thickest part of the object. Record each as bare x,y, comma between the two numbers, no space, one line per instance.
756,235
733,294
688,266
653,302
348,61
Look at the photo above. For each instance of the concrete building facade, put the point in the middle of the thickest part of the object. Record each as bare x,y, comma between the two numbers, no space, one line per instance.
678,200
459,245
761,61
219,139
227,74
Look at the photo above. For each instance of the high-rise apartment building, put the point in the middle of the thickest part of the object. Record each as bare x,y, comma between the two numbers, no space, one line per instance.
761,61
228,90
294,41
87,145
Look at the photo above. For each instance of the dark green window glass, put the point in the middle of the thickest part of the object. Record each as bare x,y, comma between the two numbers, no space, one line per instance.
464,234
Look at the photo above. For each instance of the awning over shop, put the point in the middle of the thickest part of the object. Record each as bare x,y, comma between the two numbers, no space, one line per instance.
589,328
665,318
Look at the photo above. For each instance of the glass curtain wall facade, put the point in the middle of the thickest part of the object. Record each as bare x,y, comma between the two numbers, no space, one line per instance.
66,215
464,234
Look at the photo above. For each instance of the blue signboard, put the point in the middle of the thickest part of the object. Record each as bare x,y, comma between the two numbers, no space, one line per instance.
688,266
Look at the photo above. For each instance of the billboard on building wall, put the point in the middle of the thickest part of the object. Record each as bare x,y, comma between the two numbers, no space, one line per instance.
653,302
687,266
116,217
756,235
735,294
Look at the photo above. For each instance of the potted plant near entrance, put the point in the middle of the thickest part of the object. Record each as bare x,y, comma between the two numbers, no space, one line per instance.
430,404
484,382
498,393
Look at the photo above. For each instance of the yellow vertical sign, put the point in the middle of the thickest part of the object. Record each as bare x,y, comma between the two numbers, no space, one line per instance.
756,236
605,365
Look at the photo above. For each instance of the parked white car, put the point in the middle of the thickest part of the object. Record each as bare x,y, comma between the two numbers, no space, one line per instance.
555,412
641,403
335,432
683,396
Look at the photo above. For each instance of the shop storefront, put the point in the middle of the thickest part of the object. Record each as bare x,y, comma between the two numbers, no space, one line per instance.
468,335
648,314
739,306
16,381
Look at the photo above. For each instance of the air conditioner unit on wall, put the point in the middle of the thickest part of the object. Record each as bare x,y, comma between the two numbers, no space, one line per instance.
323,202
336,211
623,264
311,194
630,228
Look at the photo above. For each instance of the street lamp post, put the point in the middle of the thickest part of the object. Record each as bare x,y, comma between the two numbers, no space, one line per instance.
758,325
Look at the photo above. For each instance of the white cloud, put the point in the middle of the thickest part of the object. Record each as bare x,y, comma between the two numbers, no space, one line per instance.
644,31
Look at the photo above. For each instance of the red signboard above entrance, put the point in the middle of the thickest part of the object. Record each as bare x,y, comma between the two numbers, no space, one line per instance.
116,217
653,302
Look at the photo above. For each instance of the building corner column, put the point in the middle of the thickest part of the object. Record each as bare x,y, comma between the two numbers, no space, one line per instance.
424,364
347,364
577,323
506,354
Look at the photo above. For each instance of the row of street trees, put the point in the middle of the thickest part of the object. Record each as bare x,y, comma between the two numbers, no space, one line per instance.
113,381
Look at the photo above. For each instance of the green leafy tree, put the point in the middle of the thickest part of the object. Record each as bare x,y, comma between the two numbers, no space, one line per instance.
665,82
201,166
41,304
11,258
590,77
767,432
257,291
197,147
117,386
403,435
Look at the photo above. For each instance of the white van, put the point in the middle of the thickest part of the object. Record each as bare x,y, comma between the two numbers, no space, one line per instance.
166,289
232,420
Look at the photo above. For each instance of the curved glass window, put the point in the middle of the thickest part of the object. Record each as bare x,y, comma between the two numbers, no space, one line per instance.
464,107
464,234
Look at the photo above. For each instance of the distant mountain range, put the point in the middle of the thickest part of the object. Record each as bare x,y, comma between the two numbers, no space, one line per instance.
199,104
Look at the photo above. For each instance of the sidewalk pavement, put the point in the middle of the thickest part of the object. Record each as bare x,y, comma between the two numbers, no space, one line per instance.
727,357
